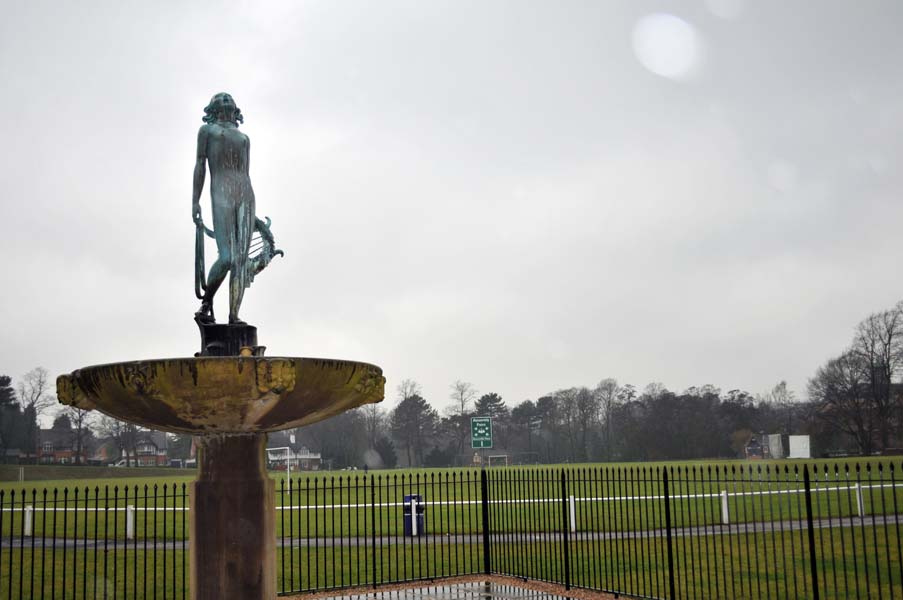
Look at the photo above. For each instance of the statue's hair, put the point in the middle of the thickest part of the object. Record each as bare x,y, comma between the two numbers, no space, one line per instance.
210,112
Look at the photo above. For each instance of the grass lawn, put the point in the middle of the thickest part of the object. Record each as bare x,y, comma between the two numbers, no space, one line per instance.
523,499
734,566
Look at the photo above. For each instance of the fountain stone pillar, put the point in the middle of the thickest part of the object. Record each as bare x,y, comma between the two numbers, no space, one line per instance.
232,520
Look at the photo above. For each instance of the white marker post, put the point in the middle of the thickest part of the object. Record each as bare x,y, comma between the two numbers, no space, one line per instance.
573,515
29,514
288,469
725,516
288,463
130,522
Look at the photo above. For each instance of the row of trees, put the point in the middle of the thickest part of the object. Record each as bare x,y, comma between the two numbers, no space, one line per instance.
854,405
605,423
21,409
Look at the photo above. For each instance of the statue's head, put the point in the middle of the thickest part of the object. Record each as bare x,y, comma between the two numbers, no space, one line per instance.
223,106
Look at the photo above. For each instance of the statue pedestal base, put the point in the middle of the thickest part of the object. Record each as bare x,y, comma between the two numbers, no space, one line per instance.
232,521
219,339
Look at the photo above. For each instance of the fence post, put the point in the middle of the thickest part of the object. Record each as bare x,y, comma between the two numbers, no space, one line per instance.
857,489
130,522
484,500
29,517
667,495
565,529
725,515
813,566
373,527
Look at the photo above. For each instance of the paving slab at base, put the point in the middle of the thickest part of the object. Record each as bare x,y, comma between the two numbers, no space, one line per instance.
482,588
460,591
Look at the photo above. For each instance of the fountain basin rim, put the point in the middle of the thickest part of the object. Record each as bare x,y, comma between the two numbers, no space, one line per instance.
223,394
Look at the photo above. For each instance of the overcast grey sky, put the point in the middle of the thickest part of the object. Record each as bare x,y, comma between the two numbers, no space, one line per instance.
523,195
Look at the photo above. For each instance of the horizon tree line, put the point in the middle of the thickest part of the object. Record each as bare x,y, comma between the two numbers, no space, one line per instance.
854,406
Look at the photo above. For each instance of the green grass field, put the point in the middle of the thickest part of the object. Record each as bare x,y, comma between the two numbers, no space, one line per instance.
716,568
63,473
342,499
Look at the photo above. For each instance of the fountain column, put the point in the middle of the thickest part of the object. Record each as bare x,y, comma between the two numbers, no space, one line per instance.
232,520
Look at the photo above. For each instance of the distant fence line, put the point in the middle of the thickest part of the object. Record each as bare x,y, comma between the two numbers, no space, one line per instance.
659,532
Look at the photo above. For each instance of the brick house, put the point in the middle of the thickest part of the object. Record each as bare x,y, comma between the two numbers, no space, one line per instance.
59,445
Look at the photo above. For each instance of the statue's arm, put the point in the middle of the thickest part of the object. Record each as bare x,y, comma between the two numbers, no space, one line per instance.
200,172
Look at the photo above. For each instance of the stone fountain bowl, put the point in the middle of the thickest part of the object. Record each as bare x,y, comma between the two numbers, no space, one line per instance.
209,395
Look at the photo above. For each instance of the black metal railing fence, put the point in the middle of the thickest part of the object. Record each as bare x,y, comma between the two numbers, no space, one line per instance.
787,530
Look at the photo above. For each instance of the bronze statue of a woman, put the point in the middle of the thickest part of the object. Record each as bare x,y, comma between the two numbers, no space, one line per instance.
226,150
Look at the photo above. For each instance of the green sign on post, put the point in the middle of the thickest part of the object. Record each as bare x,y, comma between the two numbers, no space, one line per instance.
480,432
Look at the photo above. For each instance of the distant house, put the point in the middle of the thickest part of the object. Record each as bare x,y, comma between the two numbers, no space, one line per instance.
59,444
151,449
105,452
283,448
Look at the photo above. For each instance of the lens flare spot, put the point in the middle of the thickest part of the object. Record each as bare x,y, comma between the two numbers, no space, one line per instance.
667,46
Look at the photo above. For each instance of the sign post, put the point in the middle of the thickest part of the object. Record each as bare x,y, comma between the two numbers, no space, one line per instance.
480,432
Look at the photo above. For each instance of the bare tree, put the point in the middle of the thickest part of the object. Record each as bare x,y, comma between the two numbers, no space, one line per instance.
462,393
587,405
408,388
81,430
655,390
34,398
878,344
841,399
34,391
607,393
784,402
579,409
123,434
374,423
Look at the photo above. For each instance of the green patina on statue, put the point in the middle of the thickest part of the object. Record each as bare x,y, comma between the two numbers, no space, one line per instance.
226,150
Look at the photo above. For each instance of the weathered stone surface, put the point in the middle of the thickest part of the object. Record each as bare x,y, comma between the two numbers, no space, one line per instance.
224,394
232,521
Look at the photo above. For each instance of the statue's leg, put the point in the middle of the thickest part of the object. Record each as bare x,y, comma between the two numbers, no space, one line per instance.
214,280
236,293
238,271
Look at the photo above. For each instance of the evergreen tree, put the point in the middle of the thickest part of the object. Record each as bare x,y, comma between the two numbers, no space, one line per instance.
413,424
10,417
7,393
491,405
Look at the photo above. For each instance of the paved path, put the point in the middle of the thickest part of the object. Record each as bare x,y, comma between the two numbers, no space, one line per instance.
507,538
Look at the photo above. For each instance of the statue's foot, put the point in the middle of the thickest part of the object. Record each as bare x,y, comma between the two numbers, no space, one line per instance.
236,321
205,313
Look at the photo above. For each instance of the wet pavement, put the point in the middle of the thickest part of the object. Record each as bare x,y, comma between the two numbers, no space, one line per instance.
460,591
